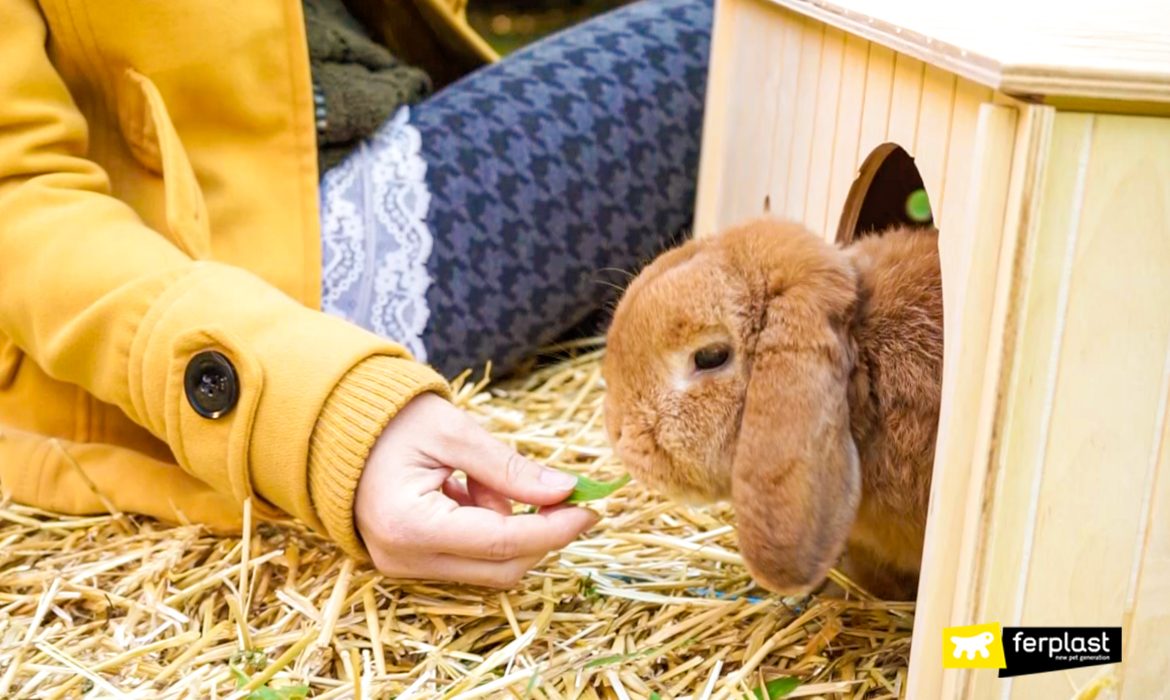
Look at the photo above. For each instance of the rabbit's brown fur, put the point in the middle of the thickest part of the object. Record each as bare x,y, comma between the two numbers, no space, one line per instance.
820,426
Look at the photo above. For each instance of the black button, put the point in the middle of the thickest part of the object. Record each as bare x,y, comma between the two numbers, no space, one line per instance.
212,387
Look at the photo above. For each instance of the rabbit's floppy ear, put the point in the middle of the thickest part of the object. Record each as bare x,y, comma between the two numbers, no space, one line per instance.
796,481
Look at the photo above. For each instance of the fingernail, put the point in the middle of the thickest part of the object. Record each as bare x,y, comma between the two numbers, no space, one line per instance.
557,479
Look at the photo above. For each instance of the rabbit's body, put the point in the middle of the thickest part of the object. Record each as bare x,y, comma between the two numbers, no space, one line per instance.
894,397
800,381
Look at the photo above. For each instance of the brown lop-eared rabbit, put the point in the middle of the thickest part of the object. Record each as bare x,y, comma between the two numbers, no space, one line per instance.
799,380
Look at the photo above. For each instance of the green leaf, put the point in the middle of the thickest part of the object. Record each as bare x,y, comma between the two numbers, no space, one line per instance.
288,692
589,490
918,206
240,676
655,696
776,688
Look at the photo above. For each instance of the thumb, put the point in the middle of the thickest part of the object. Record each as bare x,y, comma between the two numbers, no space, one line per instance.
497,466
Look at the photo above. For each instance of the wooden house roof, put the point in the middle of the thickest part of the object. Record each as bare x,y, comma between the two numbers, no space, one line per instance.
1112,50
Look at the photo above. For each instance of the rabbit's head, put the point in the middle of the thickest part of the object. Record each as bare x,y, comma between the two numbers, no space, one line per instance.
727,369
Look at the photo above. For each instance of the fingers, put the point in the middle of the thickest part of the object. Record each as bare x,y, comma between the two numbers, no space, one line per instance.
474,493
459,492
480,533
493,574
447,567
418,522
495,465
485,497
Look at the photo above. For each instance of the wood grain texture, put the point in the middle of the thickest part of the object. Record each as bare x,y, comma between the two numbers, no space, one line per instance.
932,137
782,139
760,40
1033,376
1148,608
906,102
855,61
974,242
1085,518
1044,48
807,97
714,155
875,108
959,153
826,117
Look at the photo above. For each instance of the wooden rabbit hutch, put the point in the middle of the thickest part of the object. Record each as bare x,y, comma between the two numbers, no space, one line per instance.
1041,133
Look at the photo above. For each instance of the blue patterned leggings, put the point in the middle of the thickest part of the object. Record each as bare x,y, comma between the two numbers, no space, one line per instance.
491,218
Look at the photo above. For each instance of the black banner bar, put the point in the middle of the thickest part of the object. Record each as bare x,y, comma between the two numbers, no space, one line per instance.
1041,649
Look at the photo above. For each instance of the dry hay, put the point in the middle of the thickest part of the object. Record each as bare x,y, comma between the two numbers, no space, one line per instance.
654,600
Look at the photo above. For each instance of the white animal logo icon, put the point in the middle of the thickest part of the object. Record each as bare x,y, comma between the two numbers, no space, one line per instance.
977,643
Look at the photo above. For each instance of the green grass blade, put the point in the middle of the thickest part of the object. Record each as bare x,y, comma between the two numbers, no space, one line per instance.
589,490
775,688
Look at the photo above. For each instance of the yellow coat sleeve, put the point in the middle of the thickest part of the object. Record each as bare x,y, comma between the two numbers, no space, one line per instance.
98,299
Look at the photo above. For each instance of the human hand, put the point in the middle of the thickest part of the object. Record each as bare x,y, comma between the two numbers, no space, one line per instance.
418,521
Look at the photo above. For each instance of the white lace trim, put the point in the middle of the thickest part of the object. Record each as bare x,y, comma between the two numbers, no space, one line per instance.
376,240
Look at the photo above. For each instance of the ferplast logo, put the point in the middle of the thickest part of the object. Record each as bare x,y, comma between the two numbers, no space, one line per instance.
1044,649
973,646
1018,651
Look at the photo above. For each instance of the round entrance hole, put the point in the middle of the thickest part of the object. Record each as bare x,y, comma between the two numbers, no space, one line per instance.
888,192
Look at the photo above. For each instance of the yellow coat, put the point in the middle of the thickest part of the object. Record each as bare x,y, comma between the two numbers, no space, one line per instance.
158,201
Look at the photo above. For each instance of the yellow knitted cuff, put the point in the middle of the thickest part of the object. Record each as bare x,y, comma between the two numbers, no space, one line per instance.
353,417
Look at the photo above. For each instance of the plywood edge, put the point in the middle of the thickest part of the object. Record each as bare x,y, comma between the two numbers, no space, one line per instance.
1021,220
1020,225
1044,265
1002,218
1055,85
962,249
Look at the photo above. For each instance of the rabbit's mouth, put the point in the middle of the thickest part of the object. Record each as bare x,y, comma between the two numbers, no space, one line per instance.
665,475
686,494
691,498
668,466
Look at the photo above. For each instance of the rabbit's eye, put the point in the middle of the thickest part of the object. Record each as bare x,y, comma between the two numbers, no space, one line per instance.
712,357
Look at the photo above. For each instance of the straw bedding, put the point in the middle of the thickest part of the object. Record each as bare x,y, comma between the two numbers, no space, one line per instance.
654,602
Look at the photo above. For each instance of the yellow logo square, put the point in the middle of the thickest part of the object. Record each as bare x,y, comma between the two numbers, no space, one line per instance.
973,646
